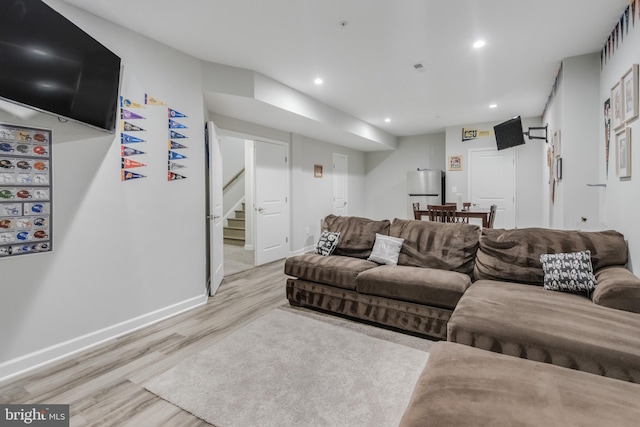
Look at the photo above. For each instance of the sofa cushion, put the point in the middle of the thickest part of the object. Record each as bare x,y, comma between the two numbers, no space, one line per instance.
437,245
463,386
617,288
331,270
514,255
421,285
357,235
561,328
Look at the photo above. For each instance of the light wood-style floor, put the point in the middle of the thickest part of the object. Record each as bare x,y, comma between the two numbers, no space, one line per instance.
103,385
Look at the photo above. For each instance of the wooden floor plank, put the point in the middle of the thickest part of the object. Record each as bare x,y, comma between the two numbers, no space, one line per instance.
103,385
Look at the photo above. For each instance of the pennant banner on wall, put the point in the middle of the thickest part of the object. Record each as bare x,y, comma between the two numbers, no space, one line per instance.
128,127
150,100
174,176
175,125
128,139
175,135
176,156
469,134
128,175
126,114
128,151
176,146
125,102
175,114
128,163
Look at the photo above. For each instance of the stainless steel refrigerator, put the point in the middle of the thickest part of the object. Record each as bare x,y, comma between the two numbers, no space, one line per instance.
425,186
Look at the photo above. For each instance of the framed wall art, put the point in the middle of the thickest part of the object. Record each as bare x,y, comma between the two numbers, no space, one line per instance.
559,169
617,112
623,153
630,94
25,190
455,163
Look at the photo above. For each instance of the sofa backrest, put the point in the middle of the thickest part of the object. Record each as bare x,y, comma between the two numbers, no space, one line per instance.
437,245
514,255
357,235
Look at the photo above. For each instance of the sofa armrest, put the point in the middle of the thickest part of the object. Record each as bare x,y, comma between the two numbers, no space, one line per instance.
617,288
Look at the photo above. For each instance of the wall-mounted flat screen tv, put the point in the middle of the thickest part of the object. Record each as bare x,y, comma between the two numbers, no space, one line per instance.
49,64
509,134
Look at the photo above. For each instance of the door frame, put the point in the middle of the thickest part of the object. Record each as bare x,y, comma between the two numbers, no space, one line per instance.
250,181
515,174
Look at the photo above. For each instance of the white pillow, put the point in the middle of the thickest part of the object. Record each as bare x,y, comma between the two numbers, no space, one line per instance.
386,249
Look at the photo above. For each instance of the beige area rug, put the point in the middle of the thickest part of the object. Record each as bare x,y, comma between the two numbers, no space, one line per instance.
292,368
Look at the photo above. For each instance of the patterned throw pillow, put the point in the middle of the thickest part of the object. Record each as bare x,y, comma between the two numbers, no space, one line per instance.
386,249
569,272
327,243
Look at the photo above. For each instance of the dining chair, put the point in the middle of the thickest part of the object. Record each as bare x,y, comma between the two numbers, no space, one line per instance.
492,215
416,207
442,213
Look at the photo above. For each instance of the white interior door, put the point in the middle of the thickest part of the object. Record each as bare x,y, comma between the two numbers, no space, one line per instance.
340,184
271,207
215,213
492,181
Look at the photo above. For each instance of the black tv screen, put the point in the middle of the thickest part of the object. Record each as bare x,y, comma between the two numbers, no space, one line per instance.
48,63
509,133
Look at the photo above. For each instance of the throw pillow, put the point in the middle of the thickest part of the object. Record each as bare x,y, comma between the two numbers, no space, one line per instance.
327,243
569,272
386,249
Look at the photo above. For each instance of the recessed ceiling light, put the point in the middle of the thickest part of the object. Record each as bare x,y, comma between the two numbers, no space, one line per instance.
387,120
479,44
493,105
318,81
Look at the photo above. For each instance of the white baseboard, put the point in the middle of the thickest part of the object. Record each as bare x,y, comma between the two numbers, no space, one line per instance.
303,250
45,356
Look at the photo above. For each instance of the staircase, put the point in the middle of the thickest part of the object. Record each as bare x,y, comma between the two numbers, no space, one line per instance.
234,231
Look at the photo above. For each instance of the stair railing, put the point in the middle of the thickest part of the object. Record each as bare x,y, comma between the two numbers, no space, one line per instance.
232,180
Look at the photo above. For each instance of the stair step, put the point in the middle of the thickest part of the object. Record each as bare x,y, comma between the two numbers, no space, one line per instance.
233,241
240,214
233,232
236,222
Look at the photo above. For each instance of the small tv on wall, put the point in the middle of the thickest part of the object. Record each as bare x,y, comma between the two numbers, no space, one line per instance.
509,134
49,64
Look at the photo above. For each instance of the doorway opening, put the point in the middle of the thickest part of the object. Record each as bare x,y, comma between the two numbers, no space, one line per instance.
237,182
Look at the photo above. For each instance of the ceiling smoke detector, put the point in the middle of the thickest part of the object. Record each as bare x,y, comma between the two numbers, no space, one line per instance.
343,23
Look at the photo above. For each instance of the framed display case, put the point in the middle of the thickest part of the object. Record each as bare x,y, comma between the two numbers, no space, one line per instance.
25,190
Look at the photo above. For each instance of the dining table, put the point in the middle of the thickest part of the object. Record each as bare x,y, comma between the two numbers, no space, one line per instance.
472,212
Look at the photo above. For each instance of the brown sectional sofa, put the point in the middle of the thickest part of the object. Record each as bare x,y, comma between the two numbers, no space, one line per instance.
483,289
418,295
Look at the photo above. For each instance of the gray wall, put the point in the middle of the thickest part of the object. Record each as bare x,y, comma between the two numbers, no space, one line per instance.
386,173
125,253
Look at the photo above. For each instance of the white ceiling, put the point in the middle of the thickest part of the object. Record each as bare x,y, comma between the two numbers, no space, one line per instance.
367,65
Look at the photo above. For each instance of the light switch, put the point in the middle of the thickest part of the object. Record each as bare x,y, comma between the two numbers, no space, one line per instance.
454,189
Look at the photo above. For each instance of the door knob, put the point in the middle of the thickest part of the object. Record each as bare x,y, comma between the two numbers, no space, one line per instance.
261,210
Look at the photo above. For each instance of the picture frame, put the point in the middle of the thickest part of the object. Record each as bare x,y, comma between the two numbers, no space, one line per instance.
559,169
617,112
630,94
557,144
455,163
317,171
623,153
